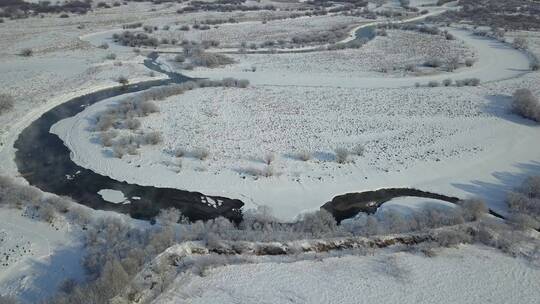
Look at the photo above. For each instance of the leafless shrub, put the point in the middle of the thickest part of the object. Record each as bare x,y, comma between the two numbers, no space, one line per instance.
531,187
342,155
6,103
453,64
111,56
26,52
105,122
433,84
147,107
123,80
447,82
180,58
267,171
133,123
47,212
468,82
210,60
469,62
526,104
304,155
449,238
433,63
119,150
524,221
170,216
534,65
200,153
104,46
319,223
132,25
107,138
473,209
152,138
410,67
269,158
520,43
232,82
180,152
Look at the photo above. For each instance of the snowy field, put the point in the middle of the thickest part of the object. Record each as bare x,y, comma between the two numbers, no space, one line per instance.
468,274
233,34
495,61
411,138
459,141
391,54
35,256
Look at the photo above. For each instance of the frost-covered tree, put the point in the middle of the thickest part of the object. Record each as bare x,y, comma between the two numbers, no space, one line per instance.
473,208
170,216
526,104
520,43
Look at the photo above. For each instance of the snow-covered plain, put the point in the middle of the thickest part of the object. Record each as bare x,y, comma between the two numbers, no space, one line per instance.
233,34
392,53
496,61
36,256
477,148
468,274
434,138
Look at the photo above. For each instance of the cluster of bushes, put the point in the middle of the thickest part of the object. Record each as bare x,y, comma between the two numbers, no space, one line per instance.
471,82
116,251
44,207
342,155
218,21
132,25
514,15
535,63
450,65
222,6
426,29
125,115
524,204
132,39
396,222
210,60
106,5
16,9
26,52
197,56
526,104
6,103
321,37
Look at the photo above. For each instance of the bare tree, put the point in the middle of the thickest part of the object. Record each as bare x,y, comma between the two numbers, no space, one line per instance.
6,103
342,155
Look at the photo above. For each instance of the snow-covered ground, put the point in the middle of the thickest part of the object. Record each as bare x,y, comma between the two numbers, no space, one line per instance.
233,34
457,141
36,256
468,274
392,53
496,61
438,139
